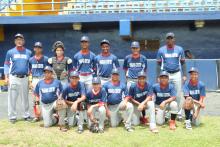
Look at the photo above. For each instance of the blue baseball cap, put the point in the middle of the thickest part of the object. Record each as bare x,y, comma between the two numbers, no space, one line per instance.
38,44
96,80
164,73
48,68
142,74
104,41
84,38
193,69
135,44
115,71
74,74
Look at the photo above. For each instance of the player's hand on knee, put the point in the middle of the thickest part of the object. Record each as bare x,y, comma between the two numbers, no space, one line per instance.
162,105
202,105
140,107
74,106
89,111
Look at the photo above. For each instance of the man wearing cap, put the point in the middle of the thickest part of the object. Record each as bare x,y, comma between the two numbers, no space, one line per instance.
74,94
37,64
61,65
96,99
84,62
194,93
165,95
48,91
118,102
16,76
171,59
134,63
141,96
105,62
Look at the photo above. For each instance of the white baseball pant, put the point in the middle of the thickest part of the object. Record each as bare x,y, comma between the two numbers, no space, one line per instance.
100,114
71,117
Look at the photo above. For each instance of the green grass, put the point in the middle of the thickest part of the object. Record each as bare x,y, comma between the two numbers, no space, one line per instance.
30,134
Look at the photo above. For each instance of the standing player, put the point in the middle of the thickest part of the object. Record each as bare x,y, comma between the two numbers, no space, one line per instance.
96,99
37,64
170,58
74,95
117,101
84,62
61,65
134,63
165,96
141,96
194,93
48,92
105,62
16,75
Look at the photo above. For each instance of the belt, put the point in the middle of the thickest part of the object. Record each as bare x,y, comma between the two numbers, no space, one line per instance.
172,72
85,74
20,76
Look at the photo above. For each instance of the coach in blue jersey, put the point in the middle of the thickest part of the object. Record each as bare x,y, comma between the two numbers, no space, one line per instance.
194,93
134,63
84,61
165,95
171,58
16,75
48,92
96,102
118,100
141,96
74,94
37,64
105,62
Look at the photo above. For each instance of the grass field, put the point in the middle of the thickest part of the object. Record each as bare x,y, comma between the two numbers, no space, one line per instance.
30,134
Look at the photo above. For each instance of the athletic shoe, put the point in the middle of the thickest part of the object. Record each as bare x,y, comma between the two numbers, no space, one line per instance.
188,124
13,121
29,119
80,129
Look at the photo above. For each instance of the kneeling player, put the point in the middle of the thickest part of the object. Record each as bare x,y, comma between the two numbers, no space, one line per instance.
74,95
117,100
96,99
48,91
194,93
165,95
141,96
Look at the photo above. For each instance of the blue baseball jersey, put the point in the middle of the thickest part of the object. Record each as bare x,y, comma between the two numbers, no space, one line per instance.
72,93
195,91
140,94
92,98
115,92
134,65
84,63
37,66
163,94
17,62
171,58
105,64
48,92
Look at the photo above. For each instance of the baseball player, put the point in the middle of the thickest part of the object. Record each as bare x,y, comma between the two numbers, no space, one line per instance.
141,96
37,64
84,62
48,92
105,62
61,65
194,93
96,99
74,94
118,102
16,75
171,58
165,95
134,63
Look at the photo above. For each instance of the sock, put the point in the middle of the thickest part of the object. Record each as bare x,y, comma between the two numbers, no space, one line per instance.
187,114
143,113
173,116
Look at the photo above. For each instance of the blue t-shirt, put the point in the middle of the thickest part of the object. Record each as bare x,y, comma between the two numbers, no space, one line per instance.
92,98
134,66
170,58
37,66
163,94
195,91
72,93
17,62
115,93
105,64
140,94
48,92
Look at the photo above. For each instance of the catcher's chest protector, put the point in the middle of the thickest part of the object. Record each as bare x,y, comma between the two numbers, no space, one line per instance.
59,66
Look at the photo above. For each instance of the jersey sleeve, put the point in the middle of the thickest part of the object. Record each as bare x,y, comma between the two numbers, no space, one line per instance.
182,55
75,61
159,56
65,93
172,91
185,89
37,89
104,96
150,91
125,65
131,91
7,63
60,88
202,91
125,91
116,62
145,64
94,65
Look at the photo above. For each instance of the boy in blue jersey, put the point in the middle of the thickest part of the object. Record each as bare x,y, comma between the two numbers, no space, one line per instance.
48,93
74,94
194,93
141,96
37,64
16,76
96,99
105,62
134,63
165,95
84,62
118,102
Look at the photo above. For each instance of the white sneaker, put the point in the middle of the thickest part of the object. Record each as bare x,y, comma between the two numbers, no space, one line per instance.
188,124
